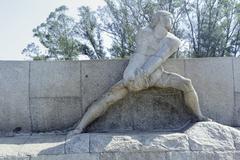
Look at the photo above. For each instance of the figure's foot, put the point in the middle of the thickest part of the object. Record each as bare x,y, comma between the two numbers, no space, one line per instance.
74,132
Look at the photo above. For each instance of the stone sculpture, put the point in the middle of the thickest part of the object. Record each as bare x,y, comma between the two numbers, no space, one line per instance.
154,45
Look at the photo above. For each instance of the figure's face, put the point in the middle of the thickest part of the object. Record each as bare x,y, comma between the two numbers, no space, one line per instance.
162,20
155,20
167,21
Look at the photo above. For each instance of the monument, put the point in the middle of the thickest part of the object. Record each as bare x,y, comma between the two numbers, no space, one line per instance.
51,102
154,45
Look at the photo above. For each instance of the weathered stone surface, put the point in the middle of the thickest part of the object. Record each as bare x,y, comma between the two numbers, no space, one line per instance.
14,96
202,141
210,136
14,158
179,155
77,144
148,110
82,156
236,119
141,156
55,79
43,145
224,155
237,155
54,113
236,137
214,86
236,70
134,156
203,155
138,142
98,77
174,65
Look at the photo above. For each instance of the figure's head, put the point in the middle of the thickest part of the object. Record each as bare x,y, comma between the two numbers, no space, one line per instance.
163,18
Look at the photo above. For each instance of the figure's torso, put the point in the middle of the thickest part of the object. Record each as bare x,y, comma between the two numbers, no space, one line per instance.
148,44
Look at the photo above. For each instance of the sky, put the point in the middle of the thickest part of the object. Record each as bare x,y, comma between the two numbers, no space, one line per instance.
19,17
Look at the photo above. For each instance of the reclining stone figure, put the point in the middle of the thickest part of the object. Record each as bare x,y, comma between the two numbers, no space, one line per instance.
154,45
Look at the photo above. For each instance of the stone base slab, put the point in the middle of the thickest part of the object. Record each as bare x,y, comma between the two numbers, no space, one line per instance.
200,141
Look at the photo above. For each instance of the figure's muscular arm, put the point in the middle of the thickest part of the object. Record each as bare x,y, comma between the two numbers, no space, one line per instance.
169,46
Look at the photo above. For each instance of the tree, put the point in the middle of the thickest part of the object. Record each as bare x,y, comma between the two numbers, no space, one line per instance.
209,27
213,25
58,34
32,50
89,30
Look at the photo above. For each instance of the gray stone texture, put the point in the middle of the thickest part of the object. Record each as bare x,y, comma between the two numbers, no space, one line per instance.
236,70
203,155
175,65
237,155
77,144
14,158
14,96
11,146
180,155
43,145
224,155
149,110
98,77
83,156
148,142
236,118
201,141
54,113
211,136
55,79
213,81
134,156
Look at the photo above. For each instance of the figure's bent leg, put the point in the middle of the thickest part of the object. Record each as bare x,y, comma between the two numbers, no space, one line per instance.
184,84
99,107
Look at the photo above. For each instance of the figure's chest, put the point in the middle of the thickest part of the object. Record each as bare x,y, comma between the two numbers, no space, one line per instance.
153,45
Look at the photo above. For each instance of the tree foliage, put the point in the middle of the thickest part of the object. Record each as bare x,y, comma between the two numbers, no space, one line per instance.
210,27
61,36
214,26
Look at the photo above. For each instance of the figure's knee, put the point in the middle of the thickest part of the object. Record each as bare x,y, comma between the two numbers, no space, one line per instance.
187,85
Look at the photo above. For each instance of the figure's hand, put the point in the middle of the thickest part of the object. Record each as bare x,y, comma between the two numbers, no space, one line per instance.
138,82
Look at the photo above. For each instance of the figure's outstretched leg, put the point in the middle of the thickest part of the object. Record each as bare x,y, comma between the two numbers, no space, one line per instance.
176,81
99,107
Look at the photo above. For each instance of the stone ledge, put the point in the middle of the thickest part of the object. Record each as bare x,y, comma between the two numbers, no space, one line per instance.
203,140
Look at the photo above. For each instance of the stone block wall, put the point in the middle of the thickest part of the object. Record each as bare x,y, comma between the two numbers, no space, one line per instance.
45,96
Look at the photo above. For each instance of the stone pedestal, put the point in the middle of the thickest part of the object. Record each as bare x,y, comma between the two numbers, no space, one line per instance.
154,109
201,141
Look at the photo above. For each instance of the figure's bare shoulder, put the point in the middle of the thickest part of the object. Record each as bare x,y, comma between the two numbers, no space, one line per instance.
171,37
